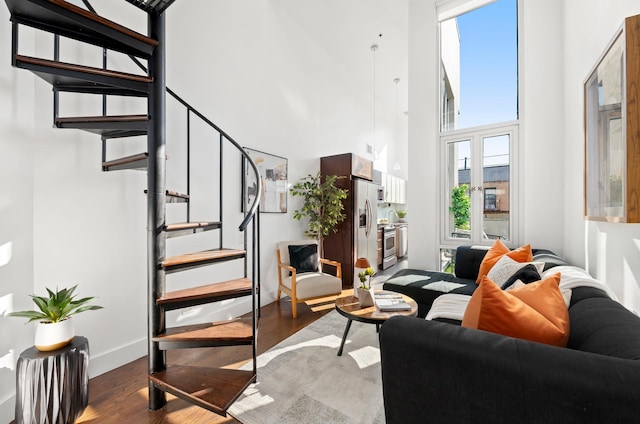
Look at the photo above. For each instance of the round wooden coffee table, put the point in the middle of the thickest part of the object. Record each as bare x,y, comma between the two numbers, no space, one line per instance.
350,308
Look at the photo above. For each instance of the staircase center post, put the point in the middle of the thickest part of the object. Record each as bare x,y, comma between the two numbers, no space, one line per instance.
156,203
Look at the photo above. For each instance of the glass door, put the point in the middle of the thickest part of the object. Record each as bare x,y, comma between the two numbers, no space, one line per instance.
478,186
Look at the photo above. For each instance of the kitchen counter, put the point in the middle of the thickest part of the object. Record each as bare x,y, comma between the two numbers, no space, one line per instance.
395,224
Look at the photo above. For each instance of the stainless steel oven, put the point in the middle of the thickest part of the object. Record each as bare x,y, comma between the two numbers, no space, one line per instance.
389,242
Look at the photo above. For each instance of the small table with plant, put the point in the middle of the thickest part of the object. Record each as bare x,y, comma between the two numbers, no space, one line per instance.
53,376
350,308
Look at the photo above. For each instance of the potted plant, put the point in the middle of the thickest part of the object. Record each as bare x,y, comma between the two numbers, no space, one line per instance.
322,205
55,328
365,291
402,215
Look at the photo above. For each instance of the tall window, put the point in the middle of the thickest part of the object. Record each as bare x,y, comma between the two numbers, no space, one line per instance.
479,64
478,121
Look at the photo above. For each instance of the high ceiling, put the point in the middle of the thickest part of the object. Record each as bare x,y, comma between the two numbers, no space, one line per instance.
346,29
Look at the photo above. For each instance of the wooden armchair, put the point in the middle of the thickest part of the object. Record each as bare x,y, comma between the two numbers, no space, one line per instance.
305,283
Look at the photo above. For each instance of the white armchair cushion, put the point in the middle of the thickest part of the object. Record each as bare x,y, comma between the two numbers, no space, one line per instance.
314,284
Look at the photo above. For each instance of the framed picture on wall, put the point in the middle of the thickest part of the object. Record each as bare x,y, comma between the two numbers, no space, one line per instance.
273,174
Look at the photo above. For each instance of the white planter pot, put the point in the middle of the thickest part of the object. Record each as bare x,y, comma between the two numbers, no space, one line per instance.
365,297
54,335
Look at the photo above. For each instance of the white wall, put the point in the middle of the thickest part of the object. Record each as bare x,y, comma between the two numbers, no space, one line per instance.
17,144
250,69
542,154
611,252
422,190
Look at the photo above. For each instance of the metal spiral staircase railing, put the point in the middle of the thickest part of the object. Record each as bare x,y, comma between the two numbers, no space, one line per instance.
212,388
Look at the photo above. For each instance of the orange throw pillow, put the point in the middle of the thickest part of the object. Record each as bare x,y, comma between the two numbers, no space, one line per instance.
498,250
535,312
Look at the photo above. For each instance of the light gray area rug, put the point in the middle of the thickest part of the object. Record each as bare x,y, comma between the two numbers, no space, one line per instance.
302,380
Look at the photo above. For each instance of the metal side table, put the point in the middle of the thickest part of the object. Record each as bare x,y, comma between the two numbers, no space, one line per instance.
53,387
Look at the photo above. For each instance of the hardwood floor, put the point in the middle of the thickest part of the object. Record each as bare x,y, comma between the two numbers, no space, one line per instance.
121,395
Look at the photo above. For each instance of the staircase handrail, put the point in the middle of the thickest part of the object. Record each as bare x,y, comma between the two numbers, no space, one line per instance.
256,201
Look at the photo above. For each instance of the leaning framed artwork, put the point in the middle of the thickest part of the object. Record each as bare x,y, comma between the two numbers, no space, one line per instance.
273,174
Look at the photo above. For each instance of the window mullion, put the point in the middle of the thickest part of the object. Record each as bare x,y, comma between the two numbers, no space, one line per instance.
476,189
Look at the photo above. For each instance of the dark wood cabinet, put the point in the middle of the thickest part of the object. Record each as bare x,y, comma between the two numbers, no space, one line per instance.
342,246
347,164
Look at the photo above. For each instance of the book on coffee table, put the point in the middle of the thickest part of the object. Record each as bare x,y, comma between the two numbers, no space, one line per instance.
391,302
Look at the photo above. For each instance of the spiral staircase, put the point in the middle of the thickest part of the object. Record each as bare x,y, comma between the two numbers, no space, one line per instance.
212,388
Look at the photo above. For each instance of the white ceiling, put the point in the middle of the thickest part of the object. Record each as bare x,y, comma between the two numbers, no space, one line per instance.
346,29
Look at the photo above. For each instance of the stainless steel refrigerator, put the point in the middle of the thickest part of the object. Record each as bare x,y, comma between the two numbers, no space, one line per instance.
365,194
357,234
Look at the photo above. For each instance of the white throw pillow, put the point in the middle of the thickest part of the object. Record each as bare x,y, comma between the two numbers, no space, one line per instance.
506,267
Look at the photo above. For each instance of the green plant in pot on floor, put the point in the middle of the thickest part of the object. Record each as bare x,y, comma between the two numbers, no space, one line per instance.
322,205
55,327
365,291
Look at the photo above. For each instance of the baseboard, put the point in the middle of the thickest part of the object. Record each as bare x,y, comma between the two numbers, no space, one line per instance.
8,409
117,357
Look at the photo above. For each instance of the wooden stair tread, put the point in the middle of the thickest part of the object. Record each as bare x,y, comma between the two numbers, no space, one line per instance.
174,196
177,194
201,258
59,16
214,389
188,228
83,69
138,159
70,77
158,6
207,293
103,118
222,333
106,125
190,225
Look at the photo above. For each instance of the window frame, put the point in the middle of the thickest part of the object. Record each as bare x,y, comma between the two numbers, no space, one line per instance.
476,137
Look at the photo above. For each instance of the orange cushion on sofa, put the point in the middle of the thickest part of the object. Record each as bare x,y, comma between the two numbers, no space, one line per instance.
498,250
535,312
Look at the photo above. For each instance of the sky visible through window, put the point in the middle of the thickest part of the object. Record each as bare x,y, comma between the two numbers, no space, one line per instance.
488,65
489,71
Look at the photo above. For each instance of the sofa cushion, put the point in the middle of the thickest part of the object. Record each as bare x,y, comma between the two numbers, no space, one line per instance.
527,274
468,260
535,312
497,251
549,258
602,325
581,293
304,257
425,286
503,271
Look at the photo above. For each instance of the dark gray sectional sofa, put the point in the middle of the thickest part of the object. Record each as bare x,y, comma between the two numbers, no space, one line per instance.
422,286
439,372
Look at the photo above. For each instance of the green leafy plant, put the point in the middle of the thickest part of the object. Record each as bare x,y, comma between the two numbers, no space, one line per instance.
322,205
58,306
401,214
461,206
362,275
